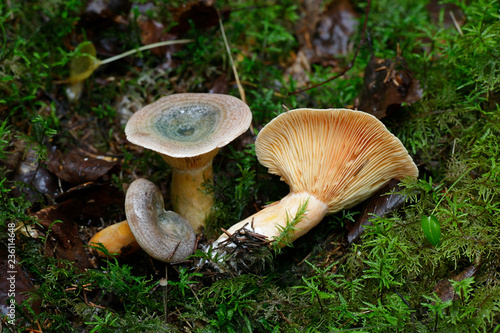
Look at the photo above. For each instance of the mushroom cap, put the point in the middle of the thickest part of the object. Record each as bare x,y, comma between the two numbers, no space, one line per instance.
189,124
164,235
340,156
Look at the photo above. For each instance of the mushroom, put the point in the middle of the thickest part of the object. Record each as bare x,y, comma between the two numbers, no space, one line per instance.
117,238
164,235
332,159
188,130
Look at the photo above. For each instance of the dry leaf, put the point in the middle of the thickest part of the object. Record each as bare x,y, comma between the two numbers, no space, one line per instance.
387,85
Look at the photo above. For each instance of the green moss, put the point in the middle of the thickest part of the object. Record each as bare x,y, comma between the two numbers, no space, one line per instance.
382,284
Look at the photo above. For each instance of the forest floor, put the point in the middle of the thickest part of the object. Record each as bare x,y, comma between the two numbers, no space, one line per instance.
419,255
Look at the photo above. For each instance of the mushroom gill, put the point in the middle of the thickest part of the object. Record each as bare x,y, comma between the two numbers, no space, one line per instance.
332,159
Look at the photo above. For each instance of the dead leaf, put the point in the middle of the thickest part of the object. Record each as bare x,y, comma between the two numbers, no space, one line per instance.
38,180
82,204
387,85
76,168
322,37
15,282
334,30
220,85
444,288
154,32
100,14
201,14
379,204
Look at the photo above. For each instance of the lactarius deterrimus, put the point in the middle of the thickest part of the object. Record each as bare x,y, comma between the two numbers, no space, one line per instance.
188,130
332,159
164,235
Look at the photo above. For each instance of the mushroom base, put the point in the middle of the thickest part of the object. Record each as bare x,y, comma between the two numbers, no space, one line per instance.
272,219
192,196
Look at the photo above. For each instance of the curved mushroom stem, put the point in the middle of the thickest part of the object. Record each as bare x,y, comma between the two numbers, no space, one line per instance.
192,195
271,220
117,238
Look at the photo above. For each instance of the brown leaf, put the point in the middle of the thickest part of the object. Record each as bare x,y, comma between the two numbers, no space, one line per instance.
75,168
220,85
379,204
38,180
445,290
335,27
387,85
154,32
15,282
84,203
322,36
63,241
201,14
100,14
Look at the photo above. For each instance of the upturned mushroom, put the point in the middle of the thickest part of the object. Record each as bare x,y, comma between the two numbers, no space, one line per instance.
188,130
164,235
332,159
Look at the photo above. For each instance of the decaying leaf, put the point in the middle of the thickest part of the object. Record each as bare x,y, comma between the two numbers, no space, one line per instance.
14,283
444,288
387,85
335,27
200,14
379,204
322,36
38,181
61,221
76,168
153,32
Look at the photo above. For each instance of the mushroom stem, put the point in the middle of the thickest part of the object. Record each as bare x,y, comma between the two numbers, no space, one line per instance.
117,238
271,220
192,196
164,235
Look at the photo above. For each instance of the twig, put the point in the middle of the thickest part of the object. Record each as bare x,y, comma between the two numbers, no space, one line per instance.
165,294
235,72
455,22
351,65
233,66
143,48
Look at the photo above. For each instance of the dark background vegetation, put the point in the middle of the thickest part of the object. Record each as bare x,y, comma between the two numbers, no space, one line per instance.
429,70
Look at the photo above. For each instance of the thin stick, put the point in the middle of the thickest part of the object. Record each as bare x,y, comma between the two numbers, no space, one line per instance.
235,72
351,65
233,66
143,48
455,22
165,295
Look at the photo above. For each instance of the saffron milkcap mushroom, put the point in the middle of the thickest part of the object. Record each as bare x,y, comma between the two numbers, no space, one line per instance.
332,159
164,235
188,130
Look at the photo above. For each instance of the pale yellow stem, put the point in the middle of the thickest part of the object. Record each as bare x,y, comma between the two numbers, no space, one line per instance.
192,195
270,220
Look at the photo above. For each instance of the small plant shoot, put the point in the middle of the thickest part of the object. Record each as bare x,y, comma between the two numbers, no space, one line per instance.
432,229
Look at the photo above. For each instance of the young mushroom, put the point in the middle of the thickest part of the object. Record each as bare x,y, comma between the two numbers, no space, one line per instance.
164,235
332,160
188,130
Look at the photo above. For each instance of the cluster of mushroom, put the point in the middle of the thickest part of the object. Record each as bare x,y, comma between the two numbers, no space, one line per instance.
332,159
187,130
